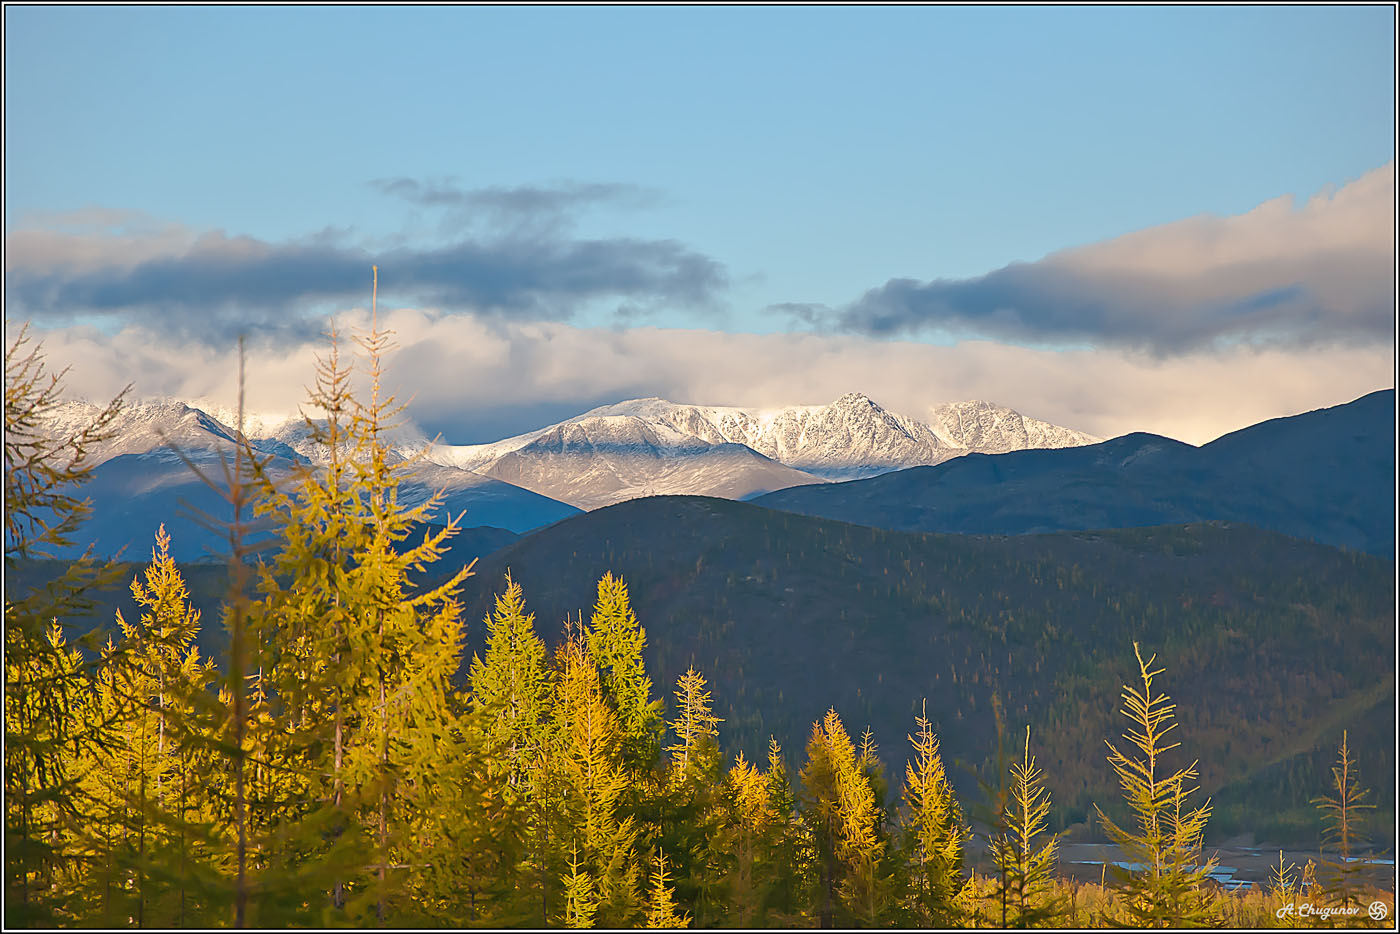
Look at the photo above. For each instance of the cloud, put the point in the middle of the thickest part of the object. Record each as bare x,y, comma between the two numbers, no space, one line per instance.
519,211
210,285
559,199
801,314
454,368
1278,275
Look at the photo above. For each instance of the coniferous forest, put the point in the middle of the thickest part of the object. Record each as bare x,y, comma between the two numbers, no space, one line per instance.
343,761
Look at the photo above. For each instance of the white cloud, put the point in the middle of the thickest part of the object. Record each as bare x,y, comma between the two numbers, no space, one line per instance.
473,378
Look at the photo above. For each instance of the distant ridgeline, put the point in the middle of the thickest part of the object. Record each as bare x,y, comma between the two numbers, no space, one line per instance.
1327,476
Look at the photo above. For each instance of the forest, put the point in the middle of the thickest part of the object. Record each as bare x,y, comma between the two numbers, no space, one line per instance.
343,761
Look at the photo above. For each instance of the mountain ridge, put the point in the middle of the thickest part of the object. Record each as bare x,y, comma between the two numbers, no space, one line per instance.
1327,475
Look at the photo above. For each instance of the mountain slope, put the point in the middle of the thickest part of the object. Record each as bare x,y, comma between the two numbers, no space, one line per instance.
601,460
1262,636
1326,475
984,428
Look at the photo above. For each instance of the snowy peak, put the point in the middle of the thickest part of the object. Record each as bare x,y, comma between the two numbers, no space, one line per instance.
640,446
141,427
599,460
616,435
992,429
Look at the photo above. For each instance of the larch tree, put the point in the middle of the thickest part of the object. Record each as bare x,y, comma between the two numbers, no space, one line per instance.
615,643
149,781
847,822
510,685
661,903
1026,871
47,716
358,660
935,833
1344,812
1168,838
595,780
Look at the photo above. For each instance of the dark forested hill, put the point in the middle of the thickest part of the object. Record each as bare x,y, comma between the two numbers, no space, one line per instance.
208,583
1272,645
1327,476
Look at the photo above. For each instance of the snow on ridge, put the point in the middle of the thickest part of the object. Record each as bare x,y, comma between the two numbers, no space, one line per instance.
851,437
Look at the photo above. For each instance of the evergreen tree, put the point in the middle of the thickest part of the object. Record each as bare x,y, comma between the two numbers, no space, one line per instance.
788,869
1168,839
691,803
756,849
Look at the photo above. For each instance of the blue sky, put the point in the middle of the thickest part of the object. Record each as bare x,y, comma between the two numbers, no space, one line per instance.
717,160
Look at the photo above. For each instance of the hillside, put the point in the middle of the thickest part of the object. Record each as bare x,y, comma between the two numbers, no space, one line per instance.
1327,476
208,583
1272,645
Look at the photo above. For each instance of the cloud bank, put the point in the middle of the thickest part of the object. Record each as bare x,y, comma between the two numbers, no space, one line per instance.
1279,275
477,378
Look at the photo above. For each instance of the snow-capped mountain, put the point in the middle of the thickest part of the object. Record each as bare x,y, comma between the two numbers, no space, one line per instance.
140,478
142,427
604,459
992,429
640,447
852,438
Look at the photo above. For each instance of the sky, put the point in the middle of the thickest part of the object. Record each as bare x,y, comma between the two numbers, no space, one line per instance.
1173,219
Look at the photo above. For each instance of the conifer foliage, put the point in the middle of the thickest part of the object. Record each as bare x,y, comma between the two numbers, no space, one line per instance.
934,833
1168,839
1344,813
1025,868
49,720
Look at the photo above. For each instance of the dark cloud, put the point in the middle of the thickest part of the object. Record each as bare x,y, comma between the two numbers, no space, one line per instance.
1279,275
1045,302
215,285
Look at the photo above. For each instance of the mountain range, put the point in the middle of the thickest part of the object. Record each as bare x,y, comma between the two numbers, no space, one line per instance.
851,438
637,448
140,480
1326,475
